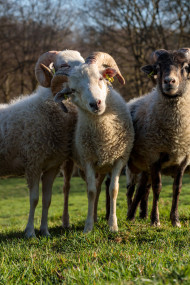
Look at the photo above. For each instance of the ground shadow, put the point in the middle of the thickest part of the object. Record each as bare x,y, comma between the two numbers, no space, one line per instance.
54,232
11,236
59,231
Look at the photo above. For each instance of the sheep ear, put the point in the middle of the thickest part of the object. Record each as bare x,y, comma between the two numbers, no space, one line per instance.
109,73
47,72
62,95
149,69
59,97
63,107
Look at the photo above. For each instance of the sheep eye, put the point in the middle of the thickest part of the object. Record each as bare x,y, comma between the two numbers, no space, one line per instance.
73,90
101,78
65,65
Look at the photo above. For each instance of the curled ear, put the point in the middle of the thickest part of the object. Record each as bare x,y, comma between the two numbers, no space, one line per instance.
62,95
149,69
109,73
57,83
63,107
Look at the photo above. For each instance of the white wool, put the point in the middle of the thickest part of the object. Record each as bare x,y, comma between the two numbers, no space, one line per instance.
35,140
103,140
73,58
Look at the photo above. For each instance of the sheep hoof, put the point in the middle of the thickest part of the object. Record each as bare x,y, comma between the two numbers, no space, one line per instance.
45,233
176,224
29,233
113,228
66,225
113,225
143,215
155,224
65,220
88,228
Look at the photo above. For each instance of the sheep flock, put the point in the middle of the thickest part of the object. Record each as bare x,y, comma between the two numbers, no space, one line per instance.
75,117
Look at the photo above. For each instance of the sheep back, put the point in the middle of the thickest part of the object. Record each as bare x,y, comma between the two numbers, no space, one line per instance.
32,131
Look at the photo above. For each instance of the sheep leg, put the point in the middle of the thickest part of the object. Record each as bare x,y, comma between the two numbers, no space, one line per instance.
99,181
144,203
156,187
48,178
108,180
67,171
113,191
131,183
129,194
140,191
34,197
177,185
91,192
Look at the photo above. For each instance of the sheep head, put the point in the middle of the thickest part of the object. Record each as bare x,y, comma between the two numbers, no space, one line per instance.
102,60
88,84
51,61
172,69
42,70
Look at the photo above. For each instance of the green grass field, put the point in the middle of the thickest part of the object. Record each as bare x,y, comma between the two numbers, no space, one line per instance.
137,254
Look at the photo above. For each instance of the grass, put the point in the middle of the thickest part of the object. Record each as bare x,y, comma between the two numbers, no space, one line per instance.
137,254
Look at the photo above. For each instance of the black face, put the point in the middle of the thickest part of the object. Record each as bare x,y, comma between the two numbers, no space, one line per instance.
173,72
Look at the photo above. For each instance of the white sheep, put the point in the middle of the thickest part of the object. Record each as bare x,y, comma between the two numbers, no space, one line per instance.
104,134
162,130
36,135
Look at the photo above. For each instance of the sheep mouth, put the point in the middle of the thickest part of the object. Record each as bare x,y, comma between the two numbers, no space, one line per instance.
170,90
97,112
95,109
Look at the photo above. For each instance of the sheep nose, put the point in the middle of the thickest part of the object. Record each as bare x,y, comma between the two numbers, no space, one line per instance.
98,102
95,105
169,80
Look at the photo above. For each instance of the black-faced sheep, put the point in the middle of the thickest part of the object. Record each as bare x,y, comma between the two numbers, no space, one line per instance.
162,131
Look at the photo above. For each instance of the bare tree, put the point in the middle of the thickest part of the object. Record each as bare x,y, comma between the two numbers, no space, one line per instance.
130,30
127,29
27,29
